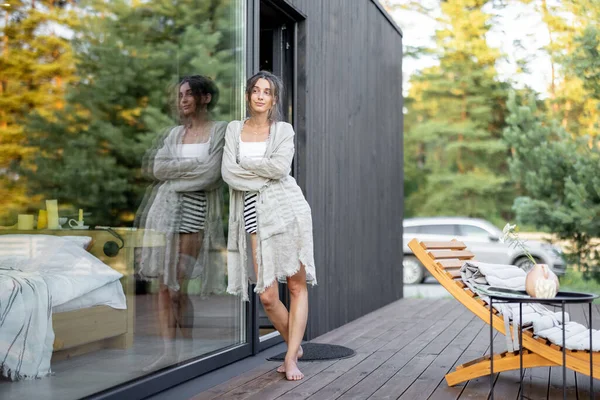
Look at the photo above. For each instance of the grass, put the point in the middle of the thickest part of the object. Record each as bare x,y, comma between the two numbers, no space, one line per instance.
573,281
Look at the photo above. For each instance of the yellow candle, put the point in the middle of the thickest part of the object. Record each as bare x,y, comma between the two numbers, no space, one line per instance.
52,210
42,222
80,215
25,222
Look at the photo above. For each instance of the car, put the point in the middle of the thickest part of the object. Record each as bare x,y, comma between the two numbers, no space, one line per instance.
481,237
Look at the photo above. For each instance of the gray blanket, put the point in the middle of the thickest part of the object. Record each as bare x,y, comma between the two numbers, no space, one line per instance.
26,335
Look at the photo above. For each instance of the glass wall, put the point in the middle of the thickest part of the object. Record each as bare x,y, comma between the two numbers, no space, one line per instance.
113,212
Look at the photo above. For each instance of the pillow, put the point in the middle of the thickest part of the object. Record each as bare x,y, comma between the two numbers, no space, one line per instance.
111,295
69,270
83,241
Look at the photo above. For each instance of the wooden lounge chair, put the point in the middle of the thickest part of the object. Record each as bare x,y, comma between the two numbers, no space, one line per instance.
444,260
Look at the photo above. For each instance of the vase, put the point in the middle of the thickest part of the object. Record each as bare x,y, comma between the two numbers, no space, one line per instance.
541,282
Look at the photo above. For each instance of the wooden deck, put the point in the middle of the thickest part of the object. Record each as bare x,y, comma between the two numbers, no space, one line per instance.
403,351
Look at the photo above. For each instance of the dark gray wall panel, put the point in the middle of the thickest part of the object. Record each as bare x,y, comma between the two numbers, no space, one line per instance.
351,169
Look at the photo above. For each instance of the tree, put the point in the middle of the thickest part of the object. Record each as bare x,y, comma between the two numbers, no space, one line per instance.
455,120
559,175
569,98
128,57
36,66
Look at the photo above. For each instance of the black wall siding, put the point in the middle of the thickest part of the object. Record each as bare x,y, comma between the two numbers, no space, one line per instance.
352,169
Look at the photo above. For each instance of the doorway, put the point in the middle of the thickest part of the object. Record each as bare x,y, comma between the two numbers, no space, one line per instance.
276,54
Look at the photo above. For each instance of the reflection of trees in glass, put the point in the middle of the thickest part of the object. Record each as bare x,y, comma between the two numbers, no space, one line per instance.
128,55
36,65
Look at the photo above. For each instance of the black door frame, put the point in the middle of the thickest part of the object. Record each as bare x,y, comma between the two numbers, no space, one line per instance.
296,27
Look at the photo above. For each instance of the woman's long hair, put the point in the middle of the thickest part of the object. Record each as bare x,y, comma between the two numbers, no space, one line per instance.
200,86
275,114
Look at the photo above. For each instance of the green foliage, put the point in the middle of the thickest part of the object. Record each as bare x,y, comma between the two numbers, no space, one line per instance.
36,65
585,60
128,58
559,175
573,281
455,160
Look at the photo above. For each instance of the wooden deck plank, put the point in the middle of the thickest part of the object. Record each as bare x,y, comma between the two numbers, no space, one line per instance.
555,390
427,383
401,354
366,344
480,387
445,392
403,351
358,329
404,354
331,374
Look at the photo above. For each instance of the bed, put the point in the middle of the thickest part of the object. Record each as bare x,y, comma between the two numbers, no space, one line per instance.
103,317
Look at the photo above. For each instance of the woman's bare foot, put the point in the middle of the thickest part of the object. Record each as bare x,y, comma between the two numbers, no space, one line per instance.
281,368
165,359
292,373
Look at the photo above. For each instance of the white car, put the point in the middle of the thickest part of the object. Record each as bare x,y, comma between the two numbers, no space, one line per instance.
481,238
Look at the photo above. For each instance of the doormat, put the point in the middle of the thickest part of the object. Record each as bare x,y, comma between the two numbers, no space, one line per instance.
319,352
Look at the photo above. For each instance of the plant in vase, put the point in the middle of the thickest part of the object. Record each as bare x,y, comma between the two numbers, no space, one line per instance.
540,282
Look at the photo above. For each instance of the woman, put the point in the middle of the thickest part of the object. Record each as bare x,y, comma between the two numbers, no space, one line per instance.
186,208
266,203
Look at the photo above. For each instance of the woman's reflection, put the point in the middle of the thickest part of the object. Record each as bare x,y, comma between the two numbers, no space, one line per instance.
185,207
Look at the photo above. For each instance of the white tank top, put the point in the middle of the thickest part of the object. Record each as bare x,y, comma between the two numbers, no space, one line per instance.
195,150
254,150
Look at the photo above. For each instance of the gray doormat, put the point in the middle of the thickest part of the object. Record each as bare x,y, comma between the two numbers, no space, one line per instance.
319,352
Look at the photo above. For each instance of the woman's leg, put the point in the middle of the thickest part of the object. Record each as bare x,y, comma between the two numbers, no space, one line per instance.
276,311
189,251
274,308
166,327
297,322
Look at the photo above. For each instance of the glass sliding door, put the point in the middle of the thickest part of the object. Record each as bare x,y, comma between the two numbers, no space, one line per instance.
112,121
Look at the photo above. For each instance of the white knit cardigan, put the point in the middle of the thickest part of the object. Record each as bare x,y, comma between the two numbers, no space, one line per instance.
285,237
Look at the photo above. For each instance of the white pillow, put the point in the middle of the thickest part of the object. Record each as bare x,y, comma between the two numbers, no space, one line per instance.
111,295
83,241
69,270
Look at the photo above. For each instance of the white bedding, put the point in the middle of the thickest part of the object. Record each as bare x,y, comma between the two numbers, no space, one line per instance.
111,295
68,269
40,274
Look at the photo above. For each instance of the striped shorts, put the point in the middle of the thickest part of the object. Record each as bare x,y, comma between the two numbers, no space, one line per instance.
193,212
250,211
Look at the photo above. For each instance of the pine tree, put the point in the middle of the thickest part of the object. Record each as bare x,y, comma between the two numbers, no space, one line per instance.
36,65
129,56
569,100
455,120
559,175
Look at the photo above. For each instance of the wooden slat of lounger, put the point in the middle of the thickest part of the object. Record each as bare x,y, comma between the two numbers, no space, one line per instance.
448,254
453,273
454,245
451,263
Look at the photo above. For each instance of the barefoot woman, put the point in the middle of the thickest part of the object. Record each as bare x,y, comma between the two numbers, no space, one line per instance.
266,203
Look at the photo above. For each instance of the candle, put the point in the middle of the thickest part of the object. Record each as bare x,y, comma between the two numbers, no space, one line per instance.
42,222
25,222
80,215
52,214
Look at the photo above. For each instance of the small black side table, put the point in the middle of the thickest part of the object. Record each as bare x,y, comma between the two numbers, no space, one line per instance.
521,297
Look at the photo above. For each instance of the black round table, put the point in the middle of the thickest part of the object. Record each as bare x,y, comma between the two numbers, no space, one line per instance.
506,296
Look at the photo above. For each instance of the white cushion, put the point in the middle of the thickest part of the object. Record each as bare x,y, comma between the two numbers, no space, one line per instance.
111,295
69,270
83,241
